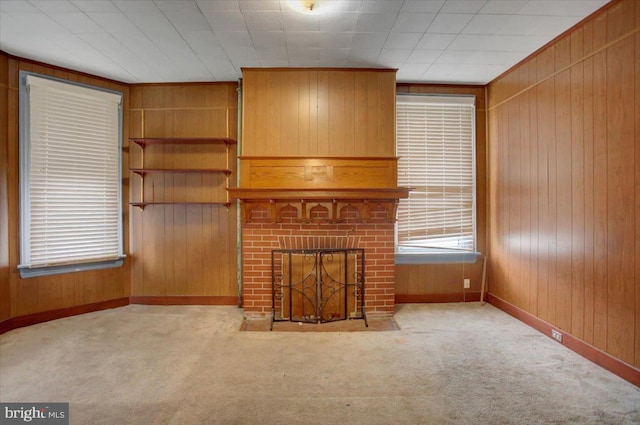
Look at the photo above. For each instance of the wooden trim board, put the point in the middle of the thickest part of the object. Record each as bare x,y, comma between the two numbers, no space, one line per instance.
437,298
45,316
602,359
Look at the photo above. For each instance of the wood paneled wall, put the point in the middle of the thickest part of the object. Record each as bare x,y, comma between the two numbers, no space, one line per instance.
184,250
5,304
34,295
445,282
564,192
315,112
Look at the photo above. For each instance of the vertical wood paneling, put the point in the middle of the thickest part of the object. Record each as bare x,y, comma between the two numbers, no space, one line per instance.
34,295
5,291
184,250
563,195
620,197
576,149
319,112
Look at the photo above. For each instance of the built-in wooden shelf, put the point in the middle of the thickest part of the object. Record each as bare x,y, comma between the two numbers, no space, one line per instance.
142,171
144,204
182,141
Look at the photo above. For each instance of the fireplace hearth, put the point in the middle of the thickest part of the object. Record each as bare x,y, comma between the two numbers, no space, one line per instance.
317,285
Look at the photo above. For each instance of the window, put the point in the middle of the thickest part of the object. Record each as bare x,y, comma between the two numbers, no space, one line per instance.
70,184
435,137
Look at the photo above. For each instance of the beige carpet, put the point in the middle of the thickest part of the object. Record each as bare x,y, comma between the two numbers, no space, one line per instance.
448,364
376,324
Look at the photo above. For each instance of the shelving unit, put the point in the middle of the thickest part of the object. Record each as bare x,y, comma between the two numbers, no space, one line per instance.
142,171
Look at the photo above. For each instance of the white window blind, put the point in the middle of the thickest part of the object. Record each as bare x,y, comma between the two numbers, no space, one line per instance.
70,174
435,138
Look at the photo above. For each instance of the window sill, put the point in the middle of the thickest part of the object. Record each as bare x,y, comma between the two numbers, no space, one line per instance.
436,257
26,272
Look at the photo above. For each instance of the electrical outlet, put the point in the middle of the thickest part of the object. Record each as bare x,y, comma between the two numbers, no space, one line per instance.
556,335
467,283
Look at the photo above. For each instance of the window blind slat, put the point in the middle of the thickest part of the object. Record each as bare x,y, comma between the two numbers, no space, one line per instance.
435,145
73,174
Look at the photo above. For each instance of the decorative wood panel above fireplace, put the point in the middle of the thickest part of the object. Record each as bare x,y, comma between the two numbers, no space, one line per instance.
332,183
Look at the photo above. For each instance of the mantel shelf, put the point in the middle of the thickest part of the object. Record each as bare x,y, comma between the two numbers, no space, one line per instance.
352,194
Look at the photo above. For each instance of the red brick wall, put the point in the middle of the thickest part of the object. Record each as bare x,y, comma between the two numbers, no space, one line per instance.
376,236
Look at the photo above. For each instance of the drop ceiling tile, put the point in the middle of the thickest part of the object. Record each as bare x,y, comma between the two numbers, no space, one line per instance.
259,5
135,5
268,39
503,7
240,54
424,56
233,39
172,5
273,53
507,43
338,22
378,6
95,5
562,7
369,56
333,57
187,20
345,5
402,40
422,6
76,22
431,41
373,22
389,56
411,72
337,40
269,20
464,74
225,21
8,6
204,43
152,22
368,40
413,22
51,6
218,5
297,54
101,41
293,21
113,22
302,39
486,24
36,23
449,23
462,6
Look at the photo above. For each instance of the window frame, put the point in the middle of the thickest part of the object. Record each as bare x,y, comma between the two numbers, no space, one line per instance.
434,255
26,270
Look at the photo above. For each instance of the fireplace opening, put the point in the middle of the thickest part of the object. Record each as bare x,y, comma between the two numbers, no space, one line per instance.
317,285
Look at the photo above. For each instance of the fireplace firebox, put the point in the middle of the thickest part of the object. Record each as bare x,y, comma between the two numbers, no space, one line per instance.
317,285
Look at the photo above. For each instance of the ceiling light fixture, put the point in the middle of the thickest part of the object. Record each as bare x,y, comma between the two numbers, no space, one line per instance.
308,7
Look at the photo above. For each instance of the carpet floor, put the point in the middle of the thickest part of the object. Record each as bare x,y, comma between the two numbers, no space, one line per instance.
447,364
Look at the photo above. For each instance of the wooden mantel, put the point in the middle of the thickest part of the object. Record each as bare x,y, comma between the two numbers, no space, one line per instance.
333,183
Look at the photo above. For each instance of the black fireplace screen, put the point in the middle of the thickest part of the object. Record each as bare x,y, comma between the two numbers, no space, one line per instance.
317,285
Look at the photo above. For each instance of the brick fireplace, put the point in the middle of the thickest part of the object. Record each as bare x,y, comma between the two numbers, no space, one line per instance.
260,235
